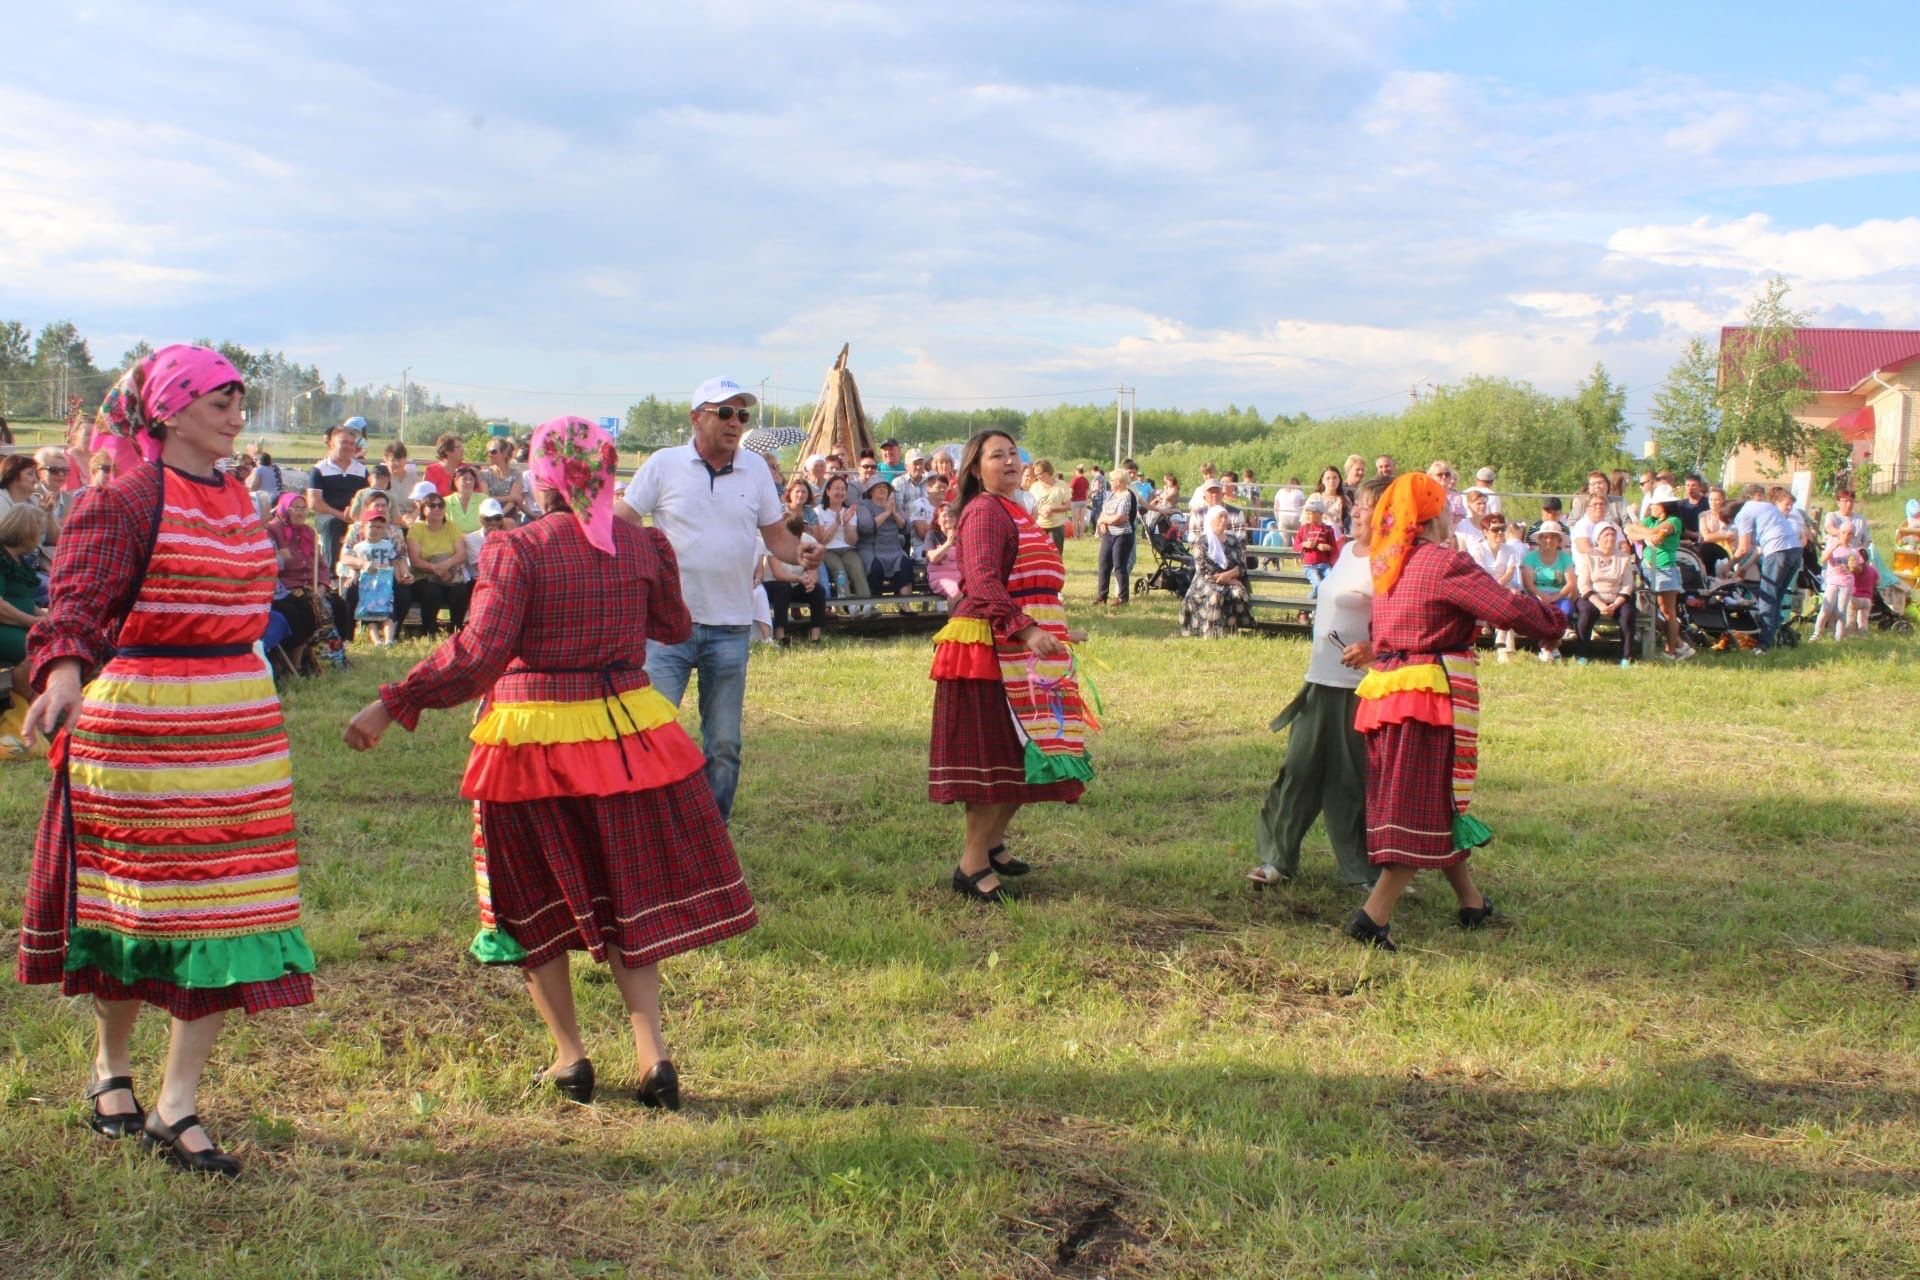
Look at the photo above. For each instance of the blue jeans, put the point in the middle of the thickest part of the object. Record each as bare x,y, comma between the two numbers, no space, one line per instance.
1777,569
1316,574
719,655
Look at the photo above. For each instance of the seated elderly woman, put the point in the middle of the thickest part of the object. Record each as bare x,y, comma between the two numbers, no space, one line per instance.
1606,584
1218,603
886,541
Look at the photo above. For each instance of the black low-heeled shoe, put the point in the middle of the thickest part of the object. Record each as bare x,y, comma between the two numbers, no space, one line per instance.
1006,866
1362,929
660,1087
1477,917
166,1141
115,1126
575,1083
968,885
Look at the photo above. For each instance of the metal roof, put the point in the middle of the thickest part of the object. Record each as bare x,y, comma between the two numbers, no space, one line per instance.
1841,359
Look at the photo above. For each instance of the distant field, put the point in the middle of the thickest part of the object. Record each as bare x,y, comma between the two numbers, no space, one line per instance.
1689,1051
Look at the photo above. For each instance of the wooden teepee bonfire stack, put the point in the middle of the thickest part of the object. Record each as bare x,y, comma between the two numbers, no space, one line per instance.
839,422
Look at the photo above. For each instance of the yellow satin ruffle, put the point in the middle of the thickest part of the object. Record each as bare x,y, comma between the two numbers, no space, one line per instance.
515,724
964,631
1425,677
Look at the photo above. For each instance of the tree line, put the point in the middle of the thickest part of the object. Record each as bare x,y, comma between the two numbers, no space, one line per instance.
53,374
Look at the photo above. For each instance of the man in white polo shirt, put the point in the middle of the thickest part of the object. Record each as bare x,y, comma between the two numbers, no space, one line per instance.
716,515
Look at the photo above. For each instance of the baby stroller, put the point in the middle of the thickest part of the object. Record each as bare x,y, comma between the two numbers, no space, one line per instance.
1724,615
1173,563
1888,612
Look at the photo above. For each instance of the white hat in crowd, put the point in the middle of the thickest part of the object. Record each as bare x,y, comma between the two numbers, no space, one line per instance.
913,455
1664,494
1549,527
491,508
1212,483
1315,503
1485,475
422,491
717,390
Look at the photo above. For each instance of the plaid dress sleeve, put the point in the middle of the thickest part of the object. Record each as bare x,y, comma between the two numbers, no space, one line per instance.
1468,587
667,618
467,664
988,541
101,553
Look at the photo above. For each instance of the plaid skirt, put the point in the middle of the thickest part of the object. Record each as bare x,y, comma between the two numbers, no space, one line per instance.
643,875
1410,796
975,756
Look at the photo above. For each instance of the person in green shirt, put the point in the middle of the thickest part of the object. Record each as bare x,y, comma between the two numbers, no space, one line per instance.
1658,536
1547,574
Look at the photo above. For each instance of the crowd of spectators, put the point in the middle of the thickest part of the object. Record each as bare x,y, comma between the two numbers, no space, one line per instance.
368,545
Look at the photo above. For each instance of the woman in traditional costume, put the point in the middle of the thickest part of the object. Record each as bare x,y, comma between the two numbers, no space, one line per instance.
1419,705
164,870
594,827
1008,725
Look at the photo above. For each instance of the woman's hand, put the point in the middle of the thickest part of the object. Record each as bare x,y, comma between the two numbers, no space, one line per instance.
364,730
1357,655
1076,637
55,705
1042,643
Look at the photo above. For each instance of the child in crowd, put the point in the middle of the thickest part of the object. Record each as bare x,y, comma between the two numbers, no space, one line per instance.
1547,572
1317,543
1866,581
377,554
943,566
1509,543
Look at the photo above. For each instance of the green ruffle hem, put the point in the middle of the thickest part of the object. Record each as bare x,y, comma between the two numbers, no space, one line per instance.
192,964
490,946
1042,768
1469,832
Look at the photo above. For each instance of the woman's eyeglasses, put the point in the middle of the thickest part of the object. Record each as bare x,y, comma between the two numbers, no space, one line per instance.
431,505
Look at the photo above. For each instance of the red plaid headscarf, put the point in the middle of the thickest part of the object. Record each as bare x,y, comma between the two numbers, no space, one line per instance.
577,458
1409,502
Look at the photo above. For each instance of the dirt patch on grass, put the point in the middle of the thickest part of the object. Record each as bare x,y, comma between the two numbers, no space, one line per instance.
1898,971
1159,931
1083,1222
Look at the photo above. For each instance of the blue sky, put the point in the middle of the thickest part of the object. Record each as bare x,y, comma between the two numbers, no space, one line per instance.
1301,204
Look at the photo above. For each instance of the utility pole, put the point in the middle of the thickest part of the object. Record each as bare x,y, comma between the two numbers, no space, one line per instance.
1133,401
402,437
1119,413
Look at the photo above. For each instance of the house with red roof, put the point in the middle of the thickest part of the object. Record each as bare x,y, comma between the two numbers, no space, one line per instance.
1866,385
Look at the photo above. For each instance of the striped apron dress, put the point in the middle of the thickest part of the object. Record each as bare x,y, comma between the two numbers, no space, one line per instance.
164,869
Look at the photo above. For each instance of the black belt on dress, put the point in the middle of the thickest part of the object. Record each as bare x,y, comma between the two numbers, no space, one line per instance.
183,650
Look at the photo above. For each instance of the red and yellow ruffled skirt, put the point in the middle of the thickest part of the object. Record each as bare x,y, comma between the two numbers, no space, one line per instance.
981,752
1421,723
595,830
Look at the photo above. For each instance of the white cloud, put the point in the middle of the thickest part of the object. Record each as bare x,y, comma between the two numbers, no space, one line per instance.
1753,244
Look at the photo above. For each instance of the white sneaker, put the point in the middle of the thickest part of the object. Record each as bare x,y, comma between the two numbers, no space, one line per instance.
1684,652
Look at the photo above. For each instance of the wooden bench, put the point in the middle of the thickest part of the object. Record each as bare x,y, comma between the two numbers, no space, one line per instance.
1282,599
885,614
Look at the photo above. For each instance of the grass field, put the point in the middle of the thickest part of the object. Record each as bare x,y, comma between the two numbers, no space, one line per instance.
1692,1050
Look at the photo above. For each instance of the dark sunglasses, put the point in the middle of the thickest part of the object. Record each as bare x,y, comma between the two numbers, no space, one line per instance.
55,471
727,413
434,503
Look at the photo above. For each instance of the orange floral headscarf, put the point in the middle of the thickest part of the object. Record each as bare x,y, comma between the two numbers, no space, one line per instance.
1409,502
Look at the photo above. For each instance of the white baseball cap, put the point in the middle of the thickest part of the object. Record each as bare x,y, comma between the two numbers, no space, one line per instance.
424,490
491,507
716,390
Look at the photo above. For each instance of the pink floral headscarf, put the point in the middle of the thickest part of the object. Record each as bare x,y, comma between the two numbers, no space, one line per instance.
149,393
577,458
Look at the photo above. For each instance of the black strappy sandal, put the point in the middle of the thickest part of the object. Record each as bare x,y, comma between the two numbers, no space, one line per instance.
1006,866
968,885
123,1125
166,1141
1363,930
